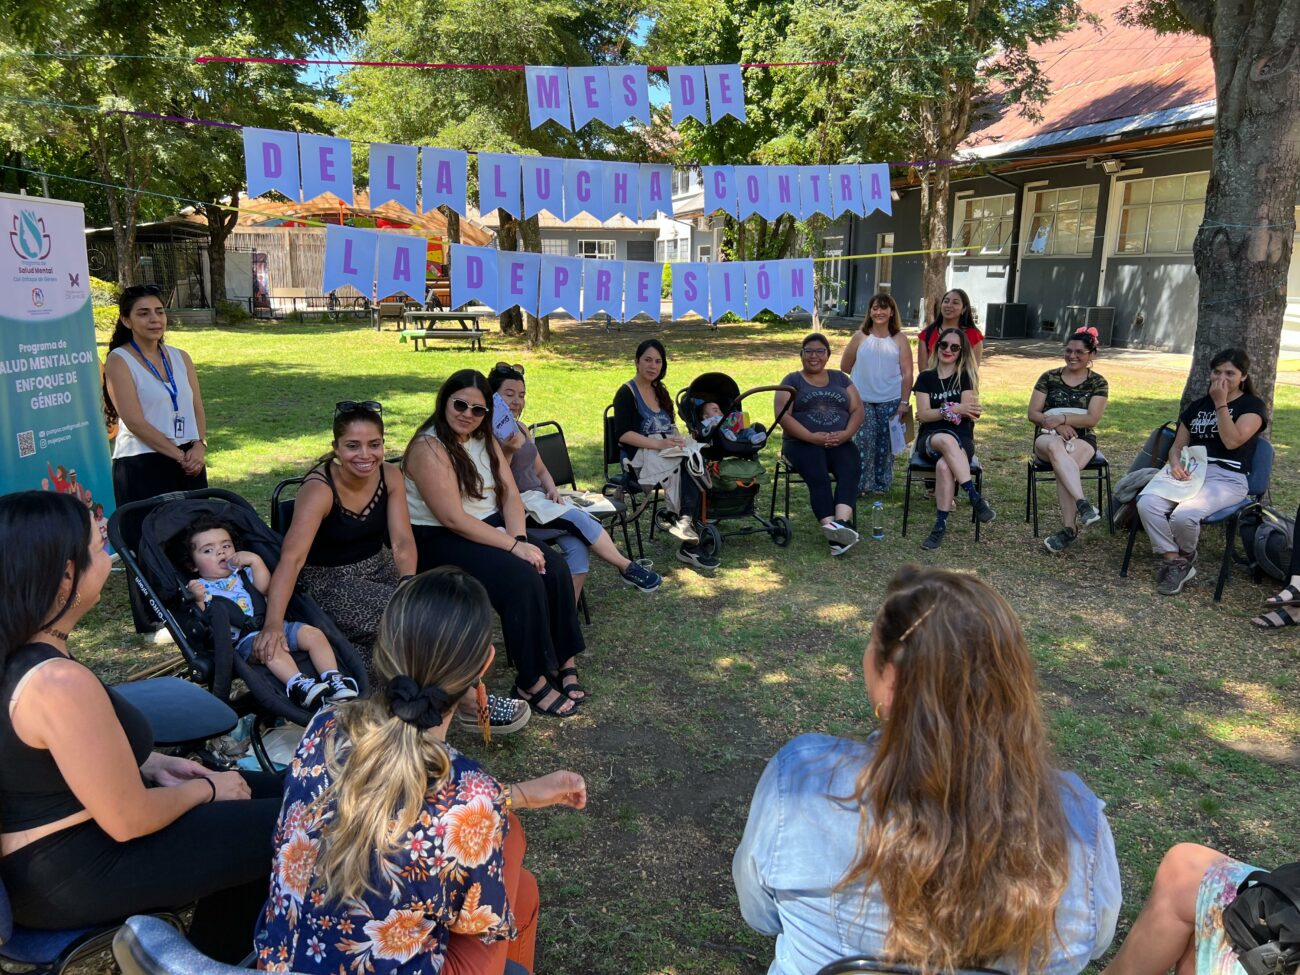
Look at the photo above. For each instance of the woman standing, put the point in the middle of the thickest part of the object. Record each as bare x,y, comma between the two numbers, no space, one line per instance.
946,839
1227,422
152,394
94,824
879,360
466,512
954,311
644,420
396,854
947,404
1065,406
818,441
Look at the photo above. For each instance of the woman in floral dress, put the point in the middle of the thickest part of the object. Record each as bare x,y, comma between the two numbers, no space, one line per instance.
395,854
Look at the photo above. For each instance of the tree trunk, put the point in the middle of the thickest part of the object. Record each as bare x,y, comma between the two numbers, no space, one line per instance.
511,320
453,223
538,329
934,239
740,240
221,221
1243,249
121,213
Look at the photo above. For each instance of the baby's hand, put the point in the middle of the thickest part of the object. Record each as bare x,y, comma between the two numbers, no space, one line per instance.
198,592
242,560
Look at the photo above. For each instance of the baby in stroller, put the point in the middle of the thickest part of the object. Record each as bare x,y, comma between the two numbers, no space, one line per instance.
208,548
732,425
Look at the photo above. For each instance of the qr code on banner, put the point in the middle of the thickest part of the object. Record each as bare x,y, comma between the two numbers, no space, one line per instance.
26,444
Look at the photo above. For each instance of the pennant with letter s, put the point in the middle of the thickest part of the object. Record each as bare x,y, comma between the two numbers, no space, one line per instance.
690,290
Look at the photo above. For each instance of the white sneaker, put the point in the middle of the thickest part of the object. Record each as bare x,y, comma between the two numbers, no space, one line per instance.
162,637
839,534
683,530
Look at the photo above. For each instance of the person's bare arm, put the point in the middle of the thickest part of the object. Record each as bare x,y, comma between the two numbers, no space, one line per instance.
400,536
512,506
310,506
850,354
121,390
905,366
857,412
792,427
196,456
1038,400
1181,440
256,568
924,411
922,355
977,351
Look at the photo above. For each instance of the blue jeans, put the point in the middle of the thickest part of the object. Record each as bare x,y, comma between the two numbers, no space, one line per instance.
875,447
245,646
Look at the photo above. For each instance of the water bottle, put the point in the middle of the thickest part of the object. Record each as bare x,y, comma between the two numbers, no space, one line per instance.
878,520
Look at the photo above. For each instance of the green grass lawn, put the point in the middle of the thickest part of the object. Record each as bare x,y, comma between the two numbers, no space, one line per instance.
1175,711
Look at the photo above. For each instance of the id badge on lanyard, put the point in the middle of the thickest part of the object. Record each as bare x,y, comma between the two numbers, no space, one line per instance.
178,423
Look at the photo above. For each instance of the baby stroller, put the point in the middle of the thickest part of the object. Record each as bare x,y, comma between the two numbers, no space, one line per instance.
733,465
144,533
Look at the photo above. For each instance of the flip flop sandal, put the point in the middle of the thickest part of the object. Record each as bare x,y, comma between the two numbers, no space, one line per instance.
575,686
1275,620
1291,594
553,709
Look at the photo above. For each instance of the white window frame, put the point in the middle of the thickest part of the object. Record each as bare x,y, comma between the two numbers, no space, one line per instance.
683,181
884,262
1084,243
601,250
1187,216
555,246
704,253
984,230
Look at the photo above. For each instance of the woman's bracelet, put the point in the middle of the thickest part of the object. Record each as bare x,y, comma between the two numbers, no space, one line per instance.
513,544
508,794
213,786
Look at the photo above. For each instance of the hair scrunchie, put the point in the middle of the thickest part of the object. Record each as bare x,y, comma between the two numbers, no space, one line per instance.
423,707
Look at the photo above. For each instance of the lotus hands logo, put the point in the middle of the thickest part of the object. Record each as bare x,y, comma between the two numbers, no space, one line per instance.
28,237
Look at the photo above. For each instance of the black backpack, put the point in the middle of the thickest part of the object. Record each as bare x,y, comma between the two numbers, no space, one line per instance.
1266,542
1263,923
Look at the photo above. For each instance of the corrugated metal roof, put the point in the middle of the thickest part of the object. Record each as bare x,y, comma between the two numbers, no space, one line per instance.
1107,73
583,221
263,213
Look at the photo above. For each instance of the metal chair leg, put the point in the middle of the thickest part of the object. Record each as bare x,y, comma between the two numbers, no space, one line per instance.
1110,501
1034,477
907,498
1128,548
979,489
1229,546
1029,486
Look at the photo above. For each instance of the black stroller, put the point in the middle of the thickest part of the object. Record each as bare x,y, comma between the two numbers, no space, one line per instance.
143,533
733,466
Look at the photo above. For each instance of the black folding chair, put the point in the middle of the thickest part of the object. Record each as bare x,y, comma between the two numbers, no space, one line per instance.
623,485
1039,471
916,464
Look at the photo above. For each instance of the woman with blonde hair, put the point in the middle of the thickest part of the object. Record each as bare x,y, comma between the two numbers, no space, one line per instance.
878,359
394,852
946,839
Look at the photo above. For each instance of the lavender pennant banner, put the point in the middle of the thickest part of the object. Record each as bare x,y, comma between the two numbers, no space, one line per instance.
543,185
583,183
445,178
517,275
561,285
271,162
401,266
690,290
619,190
751,190
875,188
643,281
762,287
846,193
687,92
814,193
798,285
726,290
726,91
474,275
629,91
783,191
548,95
350,259
326,166
392,175
498,183
590,97
602,289
719,189
656,190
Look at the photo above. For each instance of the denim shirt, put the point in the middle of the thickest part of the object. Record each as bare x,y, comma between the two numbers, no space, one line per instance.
799,842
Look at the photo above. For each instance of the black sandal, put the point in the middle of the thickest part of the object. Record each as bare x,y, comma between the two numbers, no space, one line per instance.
1274,620
564,672
553,709
1290,600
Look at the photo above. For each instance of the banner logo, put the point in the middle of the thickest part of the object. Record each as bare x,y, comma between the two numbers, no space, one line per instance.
28,237
38,298
74,280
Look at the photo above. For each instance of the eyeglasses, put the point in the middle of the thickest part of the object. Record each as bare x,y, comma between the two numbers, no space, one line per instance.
507,367
474,409
351,406
816,352
949,346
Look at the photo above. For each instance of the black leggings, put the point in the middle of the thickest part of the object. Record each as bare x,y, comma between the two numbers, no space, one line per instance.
218,854
816,464
144,476
539,617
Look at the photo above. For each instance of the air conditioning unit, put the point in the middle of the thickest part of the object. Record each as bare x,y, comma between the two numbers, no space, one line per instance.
1100,317
1007,321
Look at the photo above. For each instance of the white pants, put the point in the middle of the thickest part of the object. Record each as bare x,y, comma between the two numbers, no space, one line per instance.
1177,527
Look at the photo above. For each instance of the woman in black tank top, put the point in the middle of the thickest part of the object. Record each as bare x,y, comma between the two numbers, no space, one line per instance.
95,825
350,540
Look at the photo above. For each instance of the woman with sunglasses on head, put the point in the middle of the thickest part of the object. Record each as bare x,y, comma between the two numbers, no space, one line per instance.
947,404
878,358
946,839
396,854
577,533
152,395
953,311
348,508
818,439
1065,406
466,512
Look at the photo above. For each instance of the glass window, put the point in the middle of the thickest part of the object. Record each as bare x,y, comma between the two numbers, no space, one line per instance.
559,248
982,225
705,252
600,249
1062,222
682,181
1161,215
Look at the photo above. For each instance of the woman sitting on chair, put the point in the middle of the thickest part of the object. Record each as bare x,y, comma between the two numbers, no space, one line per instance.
1065,406
818,442
1227,422
396,854
465,511
577,533
96,824
947,405
946,839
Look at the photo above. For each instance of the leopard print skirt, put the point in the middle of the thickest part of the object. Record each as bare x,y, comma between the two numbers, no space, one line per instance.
355,597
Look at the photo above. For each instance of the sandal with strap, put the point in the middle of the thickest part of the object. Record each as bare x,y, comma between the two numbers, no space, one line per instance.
553,709
1275,620
1290,596
564,672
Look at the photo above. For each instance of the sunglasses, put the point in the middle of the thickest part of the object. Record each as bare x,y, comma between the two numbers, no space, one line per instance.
507,367
474,409
949,346
351,406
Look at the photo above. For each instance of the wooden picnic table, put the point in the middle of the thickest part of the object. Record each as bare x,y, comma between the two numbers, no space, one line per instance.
467,320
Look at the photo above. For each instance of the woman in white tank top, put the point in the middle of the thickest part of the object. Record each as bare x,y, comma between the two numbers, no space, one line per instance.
879,360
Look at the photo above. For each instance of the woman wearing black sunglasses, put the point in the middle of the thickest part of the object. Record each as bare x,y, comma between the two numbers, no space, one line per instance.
348,508
466,512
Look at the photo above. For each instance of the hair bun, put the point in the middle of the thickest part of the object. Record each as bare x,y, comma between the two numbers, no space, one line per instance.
423,707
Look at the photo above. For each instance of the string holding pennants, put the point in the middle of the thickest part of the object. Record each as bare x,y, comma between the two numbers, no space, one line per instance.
303,167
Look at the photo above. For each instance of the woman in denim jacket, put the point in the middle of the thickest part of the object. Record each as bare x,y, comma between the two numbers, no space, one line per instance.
946,839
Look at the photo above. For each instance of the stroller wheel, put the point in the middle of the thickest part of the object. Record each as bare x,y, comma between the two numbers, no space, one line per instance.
710,539
782,531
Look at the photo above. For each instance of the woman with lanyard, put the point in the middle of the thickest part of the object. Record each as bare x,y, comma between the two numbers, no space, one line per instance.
152,393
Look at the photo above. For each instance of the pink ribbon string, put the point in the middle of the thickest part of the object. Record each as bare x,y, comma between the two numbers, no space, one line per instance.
210,59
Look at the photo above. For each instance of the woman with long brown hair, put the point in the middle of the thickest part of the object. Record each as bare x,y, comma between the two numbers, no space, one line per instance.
395,853
946,839
878,359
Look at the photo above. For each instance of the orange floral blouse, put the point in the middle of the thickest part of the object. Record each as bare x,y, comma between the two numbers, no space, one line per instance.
445,878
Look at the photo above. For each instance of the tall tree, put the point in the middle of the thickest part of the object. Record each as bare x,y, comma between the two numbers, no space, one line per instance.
1243,248
912,77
